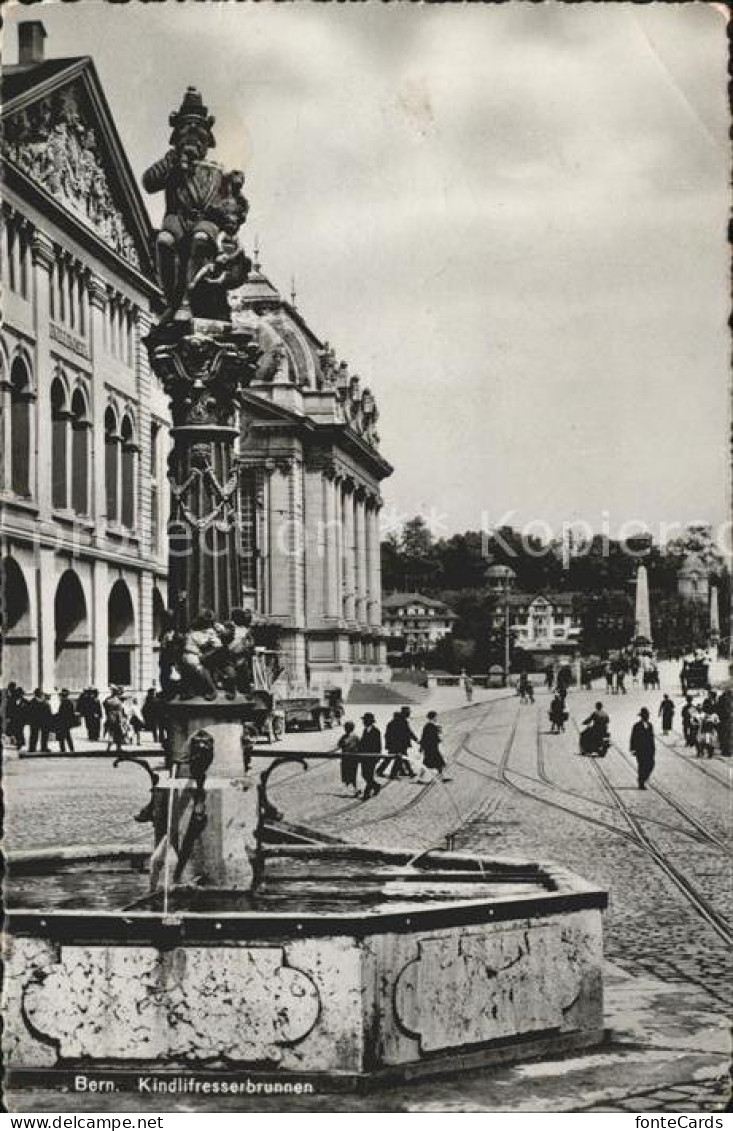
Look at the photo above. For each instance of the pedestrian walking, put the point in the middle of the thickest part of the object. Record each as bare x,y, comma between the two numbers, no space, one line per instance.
642,746
709,724
468,687
65,721
433,760
151,714
16,718
558,714
620,688
89,709
398,738
393,742
40,717
135,720
370,742
526,691
115,722
685,714
684,676
550,679
608,673
666,713
348,746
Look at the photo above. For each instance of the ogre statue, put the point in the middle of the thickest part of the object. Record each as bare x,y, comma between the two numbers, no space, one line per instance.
198,256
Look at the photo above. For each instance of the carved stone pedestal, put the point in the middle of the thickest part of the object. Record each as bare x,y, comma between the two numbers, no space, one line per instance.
205,815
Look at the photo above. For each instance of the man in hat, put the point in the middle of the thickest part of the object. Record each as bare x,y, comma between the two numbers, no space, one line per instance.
398,738
370,743
40,717
666,712
89,709
66,718
642,746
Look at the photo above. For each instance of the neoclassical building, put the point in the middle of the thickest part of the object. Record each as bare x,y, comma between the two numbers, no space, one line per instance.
311,499
82,505
83,489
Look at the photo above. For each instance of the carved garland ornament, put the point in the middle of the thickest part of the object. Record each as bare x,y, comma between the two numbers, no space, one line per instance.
53,144
222,516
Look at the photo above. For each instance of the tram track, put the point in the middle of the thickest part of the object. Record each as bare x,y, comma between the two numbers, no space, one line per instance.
704,833
502,779
697,764
700,902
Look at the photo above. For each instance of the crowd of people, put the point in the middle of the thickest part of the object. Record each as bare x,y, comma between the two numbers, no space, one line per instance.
33,722
700,718
368,755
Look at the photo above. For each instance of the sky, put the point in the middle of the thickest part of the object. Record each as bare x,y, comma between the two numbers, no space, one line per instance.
509,219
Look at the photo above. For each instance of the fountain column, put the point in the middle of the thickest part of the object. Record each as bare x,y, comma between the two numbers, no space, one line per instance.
205,814
204,806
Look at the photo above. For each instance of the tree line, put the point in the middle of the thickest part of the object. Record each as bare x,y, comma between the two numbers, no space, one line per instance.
601,576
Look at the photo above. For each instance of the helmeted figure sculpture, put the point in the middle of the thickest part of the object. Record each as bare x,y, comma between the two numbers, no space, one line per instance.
198,255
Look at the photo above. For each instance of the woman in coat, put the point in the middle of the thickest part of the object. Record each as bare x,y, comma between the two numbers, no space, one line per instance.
430,747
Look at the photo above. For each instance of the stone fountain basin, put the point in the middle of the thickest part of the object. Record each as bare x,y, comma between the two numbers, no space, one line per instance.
348,965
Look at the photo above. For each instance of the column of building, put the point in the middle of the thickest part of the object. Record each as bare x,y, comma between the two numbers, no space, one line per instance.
315,536
332,511
374,562
100,581
348,550
43,254
362,550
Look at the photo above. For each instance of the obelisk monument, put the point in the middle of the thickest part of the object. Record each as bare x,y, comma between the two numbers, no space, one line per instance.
643,619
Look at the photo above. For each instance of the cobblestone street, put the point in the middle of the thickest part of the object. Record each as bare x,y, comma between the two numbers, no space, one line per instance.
664,855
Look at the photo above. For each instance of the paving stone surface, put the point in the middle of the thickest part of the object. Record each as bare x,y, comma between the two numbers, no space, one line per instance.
515,790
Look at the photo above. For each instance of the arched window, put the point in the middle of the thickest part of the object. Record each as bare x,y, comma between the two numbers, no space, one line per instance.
20,428
121,634
59,461
128,473
16,625
111,465
80,426
72,633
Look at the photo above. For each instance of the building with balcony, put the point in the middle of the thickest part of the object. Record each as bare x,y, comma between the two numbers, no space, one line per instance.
421,622
541,622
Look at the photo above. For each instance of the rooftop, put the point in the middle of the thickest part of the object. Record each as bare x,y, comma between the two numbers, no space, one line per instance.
398,600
